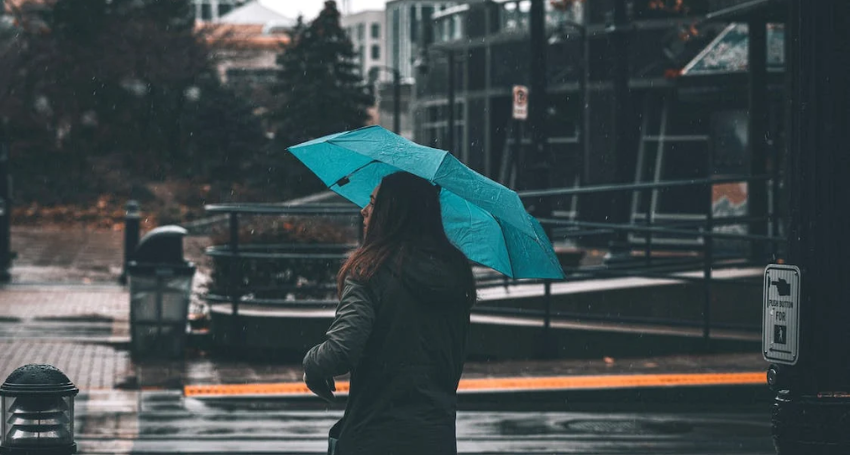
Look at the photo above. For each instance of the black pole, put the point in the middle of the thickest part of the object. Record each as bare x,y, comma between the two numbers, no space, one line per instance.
396,101
132,219
708,253
235,277
5,207
584,81
549,350
450,136
622,126
758,128
517,161
812,409
537,167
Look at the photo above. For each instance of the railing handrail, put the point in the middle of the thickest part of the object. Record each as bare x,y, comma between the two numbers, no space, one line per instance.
273,209
661,230
640,186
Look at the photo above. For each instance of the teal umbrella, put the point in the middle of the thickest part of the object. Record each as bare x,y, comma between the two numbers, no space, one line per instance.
485,220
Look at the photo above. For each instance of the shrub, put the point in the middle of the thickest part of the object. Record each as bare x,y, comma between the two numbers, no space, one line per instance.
282,278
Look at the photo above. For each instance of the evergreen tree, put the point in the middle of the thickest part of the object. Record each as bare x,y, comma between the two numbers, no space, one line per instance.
131,79
320,88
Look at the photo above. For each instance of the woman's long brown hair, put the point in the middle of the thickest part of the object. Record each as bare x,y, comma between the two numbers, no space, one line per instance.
406,211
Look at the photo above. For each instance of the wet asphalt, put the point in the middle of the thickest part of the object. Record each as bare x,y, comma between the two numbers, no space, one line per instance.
160,422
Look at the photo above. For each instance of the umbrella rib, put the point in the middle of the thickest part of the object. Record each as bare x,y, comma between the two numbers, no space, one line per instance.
345,179
507,248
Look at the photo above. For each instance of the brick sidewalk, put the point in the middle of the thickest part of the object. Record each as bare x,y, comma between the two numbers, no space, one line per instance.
89,366
62,302
79,256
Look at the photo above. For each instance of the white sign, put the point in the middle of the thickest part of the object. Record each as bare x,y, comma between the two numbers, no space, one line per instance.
781,328
520,102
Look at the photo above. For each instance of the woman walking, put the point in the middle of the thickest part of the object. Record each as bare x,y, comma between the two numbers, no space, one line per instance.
400,328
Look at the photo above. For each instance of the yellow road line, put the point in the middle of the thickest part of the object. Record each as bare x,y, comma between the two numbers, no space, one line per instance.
508,384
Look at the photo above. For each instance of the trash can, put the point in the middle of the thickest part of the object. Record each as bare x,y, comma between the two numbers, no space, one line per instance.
160,290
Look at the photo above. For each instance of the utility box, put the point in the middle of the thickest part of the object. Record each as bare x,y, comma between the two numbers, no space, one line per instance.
160,290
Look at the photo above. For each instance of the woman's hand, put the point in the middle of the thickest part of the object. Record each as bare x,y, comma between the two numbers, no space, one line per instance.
323,388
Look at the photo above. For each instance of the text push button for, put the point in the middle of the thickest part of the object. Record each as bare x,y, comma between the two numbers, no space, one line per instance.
781,327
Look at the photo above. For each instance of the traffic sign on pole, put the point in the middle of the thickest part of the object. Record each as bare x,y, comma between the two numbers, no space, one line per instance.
520,102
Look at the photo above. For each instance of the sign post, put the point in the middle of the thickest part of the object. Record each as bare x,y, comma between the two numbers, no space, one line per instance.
520,114
781,328
520,102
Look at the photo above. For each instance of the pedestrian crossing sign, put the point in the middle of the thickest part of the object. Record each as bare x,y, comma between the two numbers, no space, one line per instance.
781,328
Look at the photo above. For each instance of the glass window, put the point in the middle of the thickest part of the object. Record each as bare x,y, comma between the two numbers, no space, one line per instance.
376,31
361,32
414,25
206,12
427,14
396,42
376,52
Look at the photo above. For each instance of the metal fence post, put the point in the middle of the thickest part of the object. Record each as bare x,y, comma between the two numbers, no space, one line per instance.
648,244
548,350
131,235
235,265
5,208
708,255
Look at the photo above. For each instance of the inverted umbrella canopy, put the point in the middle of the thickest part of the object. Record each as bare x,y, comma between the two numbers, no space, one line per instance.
485,220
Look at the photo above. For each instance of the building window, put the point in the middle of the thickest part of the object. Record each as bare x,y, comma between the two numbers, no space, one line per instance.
206,12
376,52
361,57
361,32
376,31
414,25
396,42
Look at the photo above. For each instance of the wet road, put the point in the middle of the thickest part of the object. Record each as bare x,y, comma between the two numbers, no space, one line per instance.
166,422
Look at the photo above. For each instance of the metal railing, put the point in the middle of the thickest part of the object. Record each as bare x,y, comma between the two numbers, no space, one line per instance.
703,257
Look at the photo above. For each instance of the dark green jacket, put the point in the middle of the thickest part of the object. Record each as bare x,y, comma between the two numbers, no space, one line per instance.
403,337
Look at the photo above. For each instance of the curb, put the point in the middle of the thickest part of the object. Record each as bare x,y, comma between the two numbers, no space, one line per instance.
534,392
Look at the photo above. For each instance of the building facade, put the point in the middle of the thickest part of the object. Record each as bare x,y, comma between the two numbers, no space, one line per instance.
681,122
407,23
212,10
367,31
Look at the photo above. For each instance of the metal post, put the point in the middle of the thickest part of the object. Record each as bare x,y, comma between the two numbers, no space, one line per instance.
548,349
132,218
584,81
811,413
539,162
708,256
450,136
758,128
517,162
235,276
622,124
5,207
647,253
396,101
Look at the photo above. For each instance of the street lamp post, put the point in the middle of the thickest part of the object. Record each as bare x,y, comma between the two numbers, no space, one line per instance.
396,94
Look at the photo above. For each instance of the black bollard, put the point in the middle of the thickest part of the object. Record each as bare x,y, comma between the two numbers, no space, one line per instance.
131,235
37,412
